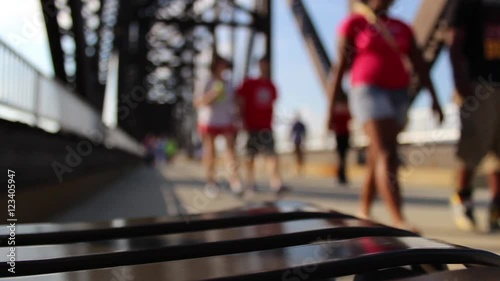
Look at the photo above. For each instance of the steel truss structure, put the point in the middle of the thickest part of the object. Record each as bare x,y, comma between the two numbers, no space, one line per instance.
162,48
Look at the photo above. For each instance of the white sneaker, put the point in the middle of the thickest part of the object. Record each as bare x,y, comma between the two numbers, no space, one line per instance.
463,214
236,188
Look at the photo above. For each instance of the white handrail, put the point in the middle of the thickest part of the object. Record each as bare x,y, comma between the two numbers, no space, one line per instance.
27,96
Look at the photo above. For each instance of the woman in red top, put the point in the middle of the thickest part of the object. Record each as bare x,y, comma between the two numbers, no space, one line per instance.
379,94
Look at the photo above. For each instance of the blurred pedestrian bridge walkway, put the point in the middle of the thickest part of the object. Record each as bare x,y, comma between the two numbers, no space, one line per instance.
126,69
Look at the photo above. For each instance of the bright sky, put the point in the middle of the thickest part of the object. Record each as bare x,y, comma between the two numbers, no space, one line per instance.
22,27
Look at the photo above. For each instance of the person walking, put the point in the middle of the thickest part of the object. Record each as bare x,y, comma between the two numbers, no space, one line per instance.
380,78
340,126
216,108
298,135
257,98
473,39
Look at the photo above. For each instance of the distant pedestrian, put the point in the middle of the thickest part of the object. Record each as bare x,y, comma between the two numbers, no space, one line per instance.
159,151
341,118
257,98
298,135
474,42
171,149
216,108
149,145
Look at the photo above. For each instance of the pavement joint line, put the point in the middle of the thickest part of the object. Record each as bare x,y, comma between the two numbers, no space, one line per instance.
170,201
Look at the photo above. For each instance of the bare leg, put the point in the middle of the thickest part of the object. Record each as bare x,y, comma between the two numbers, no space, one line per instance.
369,188
465,176
342,148
275,173
299,157
494,213
209,157
250,163
494,180
461,202
234,178
383,134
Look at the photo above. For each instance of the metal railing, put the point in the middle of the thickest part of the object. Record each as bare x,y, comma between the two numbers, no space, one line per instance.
27,96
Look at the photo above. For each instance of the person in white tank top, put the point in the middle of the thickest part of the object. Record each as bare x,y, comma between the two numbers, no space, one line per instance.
217,114
220,113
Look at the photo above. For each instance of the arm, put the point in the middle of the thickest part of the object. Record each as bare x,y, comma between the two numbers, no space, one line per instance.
240,105
240,98
457,18
335,86
455,40
422,70
208,97
205,99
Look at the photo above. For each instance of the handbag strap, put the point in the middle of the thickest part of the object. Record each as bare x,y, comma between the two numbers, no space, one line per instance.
371,17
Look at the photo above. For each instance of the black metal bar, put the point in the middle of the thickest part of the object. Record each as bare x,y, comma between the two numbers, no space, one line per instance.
374,262
339,264
233,39
80,44
268,32
248,56
316,49
123,46
145,118
251,39
241,8
86,78
213,30
170,65
98,88
73,236
189,23
327,229
50,16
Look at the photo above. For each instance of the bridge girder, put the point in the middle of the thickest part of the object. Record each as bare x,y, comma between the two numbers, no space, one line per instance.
159,42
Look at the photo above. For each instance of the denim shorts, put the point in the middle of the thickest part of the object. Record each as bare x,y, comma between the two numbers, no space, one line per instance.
374,103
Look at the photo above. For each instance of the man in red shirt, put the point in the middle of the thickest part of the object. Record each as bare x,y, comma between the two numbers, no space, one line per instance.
257,97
